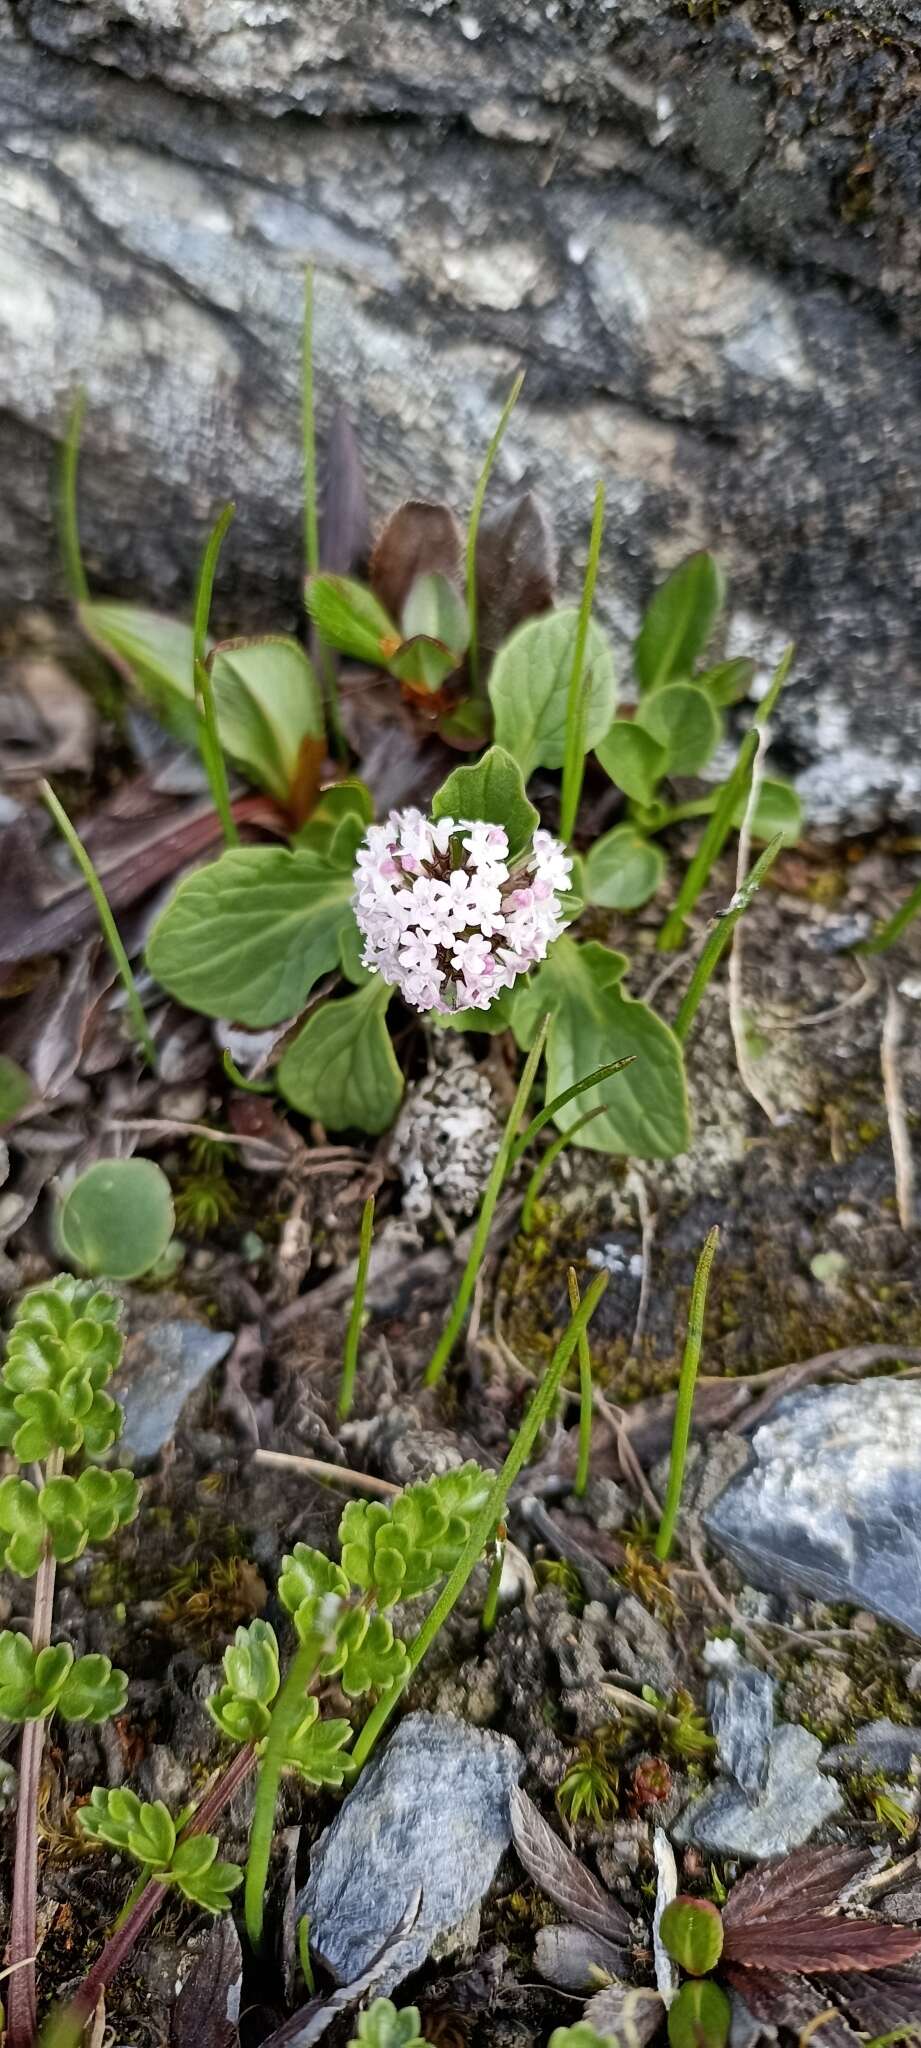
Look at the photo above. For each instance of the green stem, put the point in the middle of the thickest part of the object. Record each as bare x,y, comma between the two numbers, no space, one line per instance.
107,921
698,807
473,656
487,1521
546,1115
286,1716
545,1162
353,1333
326,662
303,1950
574,756
239,1080
491,1193
585,1395
682,1429
68,524
209,739
894,926
731,798
720,936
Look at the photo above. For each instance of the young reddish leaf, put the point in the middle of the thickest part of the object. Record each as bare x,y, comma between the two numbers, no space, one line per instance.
515,567
418,538
794,2003
798,1885
560,1874
820,1943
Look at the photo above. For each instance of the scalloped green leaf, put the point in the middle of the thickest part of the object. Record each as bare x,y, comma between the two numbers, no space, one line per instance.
491,789
203,1880
529,688
379,1661
623,869
22,1526
728,681
30,1683
93,1690
592,1021
341,1067
678,621
318,1749
247,937
383,2026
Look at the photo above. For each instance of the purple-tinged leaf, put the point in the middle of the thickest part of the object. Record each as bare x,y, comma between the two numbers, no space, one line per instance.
794,2003
561,1875
419,539
820,1943
806,1882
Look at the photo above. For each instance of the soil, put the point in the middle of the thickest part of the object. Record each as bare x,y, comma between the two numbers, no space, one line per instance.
813,1258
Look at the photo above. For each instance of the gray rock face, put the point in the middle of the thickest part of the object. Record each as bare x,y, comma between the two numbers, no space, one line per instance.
430,1812
164,1367
832,1501
880,1746
795,1801
674,221
741,1710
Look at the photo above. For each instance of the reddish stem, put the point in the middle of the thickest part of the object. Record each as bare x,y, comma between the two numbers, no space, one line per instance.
21,2015
85,2000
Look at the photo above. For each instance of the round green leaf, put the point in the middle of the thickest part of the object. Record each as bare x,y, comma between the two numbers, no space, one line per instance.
247,937
679,621
268,703
692,1931
623,869
491,789
633,759
700,2017
684,722
117,1219
529,687
342,1067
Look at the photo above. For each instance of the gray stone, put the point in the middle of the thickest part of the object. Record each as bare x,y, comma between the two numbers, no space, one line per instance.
796,1800
741,1710
831,1502
880,1746
429,1813
670,215
163,1368
571,1958
644,1648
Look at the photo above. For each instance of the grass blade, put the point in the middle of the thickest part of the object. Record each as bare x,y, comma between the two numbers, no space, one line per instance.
107,921
209,739
353,1333
545,1115
682,1429
68,523
488,1519
574,756
325,662
894,926
500,1169
545,1162
719,825
473,656
719,938
585,1395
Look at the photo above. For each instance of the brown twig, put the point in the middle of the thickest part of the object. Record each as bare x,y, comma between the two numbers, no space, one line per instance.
616,1423
895,1110
327,1474
22,2015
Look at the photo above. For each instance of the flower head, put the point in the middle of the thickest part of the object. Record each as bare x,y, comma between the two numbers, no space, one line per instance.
446,916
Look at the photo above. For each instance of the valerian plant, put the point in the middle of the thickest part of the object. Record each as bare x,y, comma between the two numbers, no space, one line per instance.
54,1412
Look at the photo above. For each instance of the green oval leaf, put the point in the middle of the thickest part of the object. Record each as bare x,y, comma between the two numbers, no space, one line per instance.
247,937
634,760
729,681
348,617
685,723
778,809
593,1022
700,2017
436,610
492,789
152,652
342,1067
623,869
117,1219
529,685
679,621
692,1931
268,703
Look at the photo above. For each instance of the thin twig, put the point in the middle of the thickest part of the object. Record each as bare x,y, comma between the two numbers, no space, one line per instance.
859,995
745,1064
615,1422
637,1186
176,1127
728,1606
895,1110
325,1473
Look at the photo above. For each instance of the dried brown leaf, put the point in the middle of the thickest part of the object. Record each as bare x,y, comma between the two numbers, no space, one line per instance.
806,1882
47,722
207,2009
820,1943
878,2004
419,538
794,2003
515,567
561,1875
628,2013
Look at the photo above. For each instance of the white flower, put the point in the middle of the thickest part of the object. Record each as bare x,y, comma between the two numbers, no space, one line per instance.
446,917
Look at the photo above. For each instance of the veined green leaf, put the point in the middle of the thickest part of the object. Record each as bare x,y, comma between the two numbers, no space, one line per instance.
248,936
679,621
634,760
422,663
683,720
492,789
529,686
437,610
342,1067
154,653
622,869
348,617
268,702
593,1022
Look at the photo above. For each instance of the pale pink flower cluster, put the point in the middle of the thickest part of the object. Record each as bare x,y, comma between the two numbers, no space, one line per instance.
444,915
